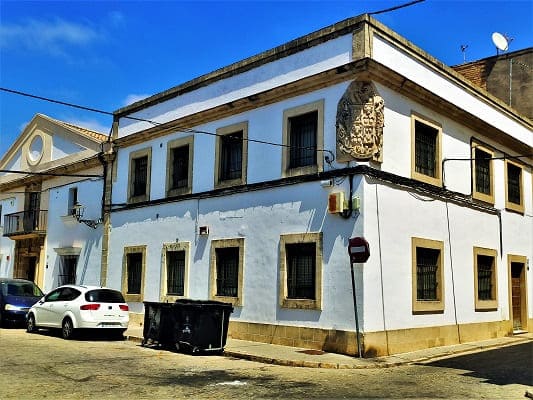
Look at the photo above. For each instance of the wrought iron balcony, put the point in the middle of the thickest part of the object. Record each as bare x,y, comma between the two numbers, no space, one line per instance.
26,223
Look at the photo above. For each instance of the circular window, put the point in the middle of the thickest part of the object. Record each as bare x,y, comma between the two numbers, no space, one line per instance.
36,149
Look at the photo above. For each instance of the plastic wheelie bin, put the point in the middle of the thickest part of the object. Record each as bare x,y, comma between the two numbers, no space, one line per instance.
159,323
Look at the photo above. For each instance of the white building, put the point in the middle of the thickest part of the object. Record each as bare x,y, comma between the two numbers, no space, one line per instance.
51,167
230,187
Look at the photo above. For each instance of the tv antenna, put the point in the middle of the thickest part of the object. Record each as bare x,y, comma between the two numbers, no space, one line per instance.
463,50
501,42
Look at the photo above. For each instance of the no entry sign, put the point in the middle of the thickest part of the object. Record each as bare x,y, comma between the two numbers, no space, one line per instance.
358,249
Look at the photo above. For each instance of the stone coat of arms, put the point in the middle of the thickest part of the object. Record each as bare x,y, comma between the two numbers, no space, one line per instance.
360,122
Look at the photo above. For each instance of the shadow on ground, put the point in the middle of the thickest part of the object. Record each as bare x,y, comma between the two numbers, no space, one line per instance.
504,366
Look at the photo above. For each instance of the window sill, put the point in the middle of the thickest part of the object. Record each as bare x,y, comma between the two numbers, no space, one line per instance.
133,298
486,305
234,301
301,304
428,307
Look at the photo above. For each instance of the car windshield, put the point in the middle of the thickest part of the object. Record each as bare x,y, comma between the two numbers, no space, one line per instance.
24,289
104,296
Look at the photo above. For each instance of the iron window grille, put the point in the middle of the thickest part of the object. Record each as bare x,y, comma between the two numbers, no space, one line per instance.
425,149
231,156
303,140
301,265
180,167
485,267
67,270
482,168
513,184
227,270
134,270
140,172
176,273
427,264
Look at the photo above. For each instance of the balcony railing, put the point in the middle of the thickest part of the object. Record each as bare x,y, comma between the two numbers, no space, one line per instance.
32,222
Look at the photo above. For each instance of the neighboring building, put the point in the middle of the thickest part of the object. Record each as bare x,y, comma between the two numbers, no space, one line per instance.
57,166
507,76
439,173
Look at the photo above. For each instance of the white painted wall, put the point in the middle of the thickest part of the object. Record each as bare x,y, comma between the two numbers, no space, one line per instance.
7,246
63,147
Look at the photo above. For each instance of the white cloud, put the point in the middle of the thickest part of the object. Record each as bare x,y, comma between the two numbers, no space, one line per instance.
132,98
49,36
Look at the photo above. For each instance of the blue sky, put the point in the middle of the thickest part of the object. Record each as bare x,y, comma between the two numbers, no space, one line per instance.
106,54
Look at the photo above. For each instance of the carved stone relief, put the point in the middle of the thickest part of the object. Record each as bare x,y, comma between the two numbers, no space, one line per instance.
360,122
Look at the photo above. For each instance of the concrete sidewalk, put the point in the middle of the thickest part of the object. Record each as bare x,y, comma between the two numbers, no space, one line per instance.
299,357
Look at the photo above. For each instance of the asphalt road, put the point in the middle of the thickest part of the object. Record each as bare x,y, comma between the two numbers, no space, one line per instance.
44,366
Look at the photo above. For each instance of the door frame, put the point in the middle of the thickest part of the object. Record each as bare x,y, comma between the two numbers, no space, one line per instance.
513,258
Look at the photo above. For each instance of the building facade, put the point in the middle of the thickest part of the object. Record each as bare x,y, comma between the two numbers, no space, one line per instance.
51,172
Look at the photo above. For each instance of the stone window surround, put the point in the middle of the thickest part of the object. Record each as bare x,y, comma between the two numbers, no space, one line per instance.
129,250
295,238
437,180
178,246
492,304
228,130
509,205
189,140
428,306
293,112
223,243
134,155
488,198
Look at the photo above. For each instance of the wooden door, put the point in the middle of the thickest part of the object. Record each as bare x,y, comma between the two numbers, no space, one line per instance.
516,295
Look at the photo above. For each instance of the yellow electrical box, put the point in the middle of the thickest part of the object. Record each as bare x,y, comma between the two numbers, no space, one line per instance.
336,202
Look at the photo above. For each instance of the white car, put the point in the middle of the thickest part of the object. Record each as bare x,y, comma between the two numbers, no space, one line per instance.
72,307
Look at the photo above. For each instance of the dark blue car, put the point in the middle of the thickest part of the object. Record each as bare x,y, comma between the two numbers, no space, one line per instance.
16,298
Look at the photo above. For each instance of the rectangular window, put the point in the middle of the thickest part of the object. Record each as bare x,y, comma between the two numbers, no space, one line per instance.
428,277
227,268
231,155
485,279
303,136
67,270
513,194
426,151
139,175
175,273
180,167
227,265
134,268
301,272
482,179
72,200
302,140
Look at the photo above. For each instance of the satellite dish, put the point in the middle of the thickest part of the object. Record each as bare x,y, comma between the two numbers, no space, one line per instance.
500,41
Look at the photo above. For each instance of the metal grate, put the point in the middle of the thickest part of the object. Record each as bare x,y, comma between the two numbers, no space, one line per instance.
134,269
484,277
140,168
67,270
231,156
425,149
176,273
482,160
180,167
513,184
227,268
427,264
301,267
303,140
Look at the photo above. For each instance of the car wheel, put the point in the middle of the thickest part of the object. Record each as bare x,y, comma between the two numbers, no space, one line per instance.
30,324
67,329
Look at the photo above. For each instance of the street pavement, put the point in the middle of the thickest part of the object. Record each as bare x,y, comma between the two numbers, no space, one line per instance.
300,357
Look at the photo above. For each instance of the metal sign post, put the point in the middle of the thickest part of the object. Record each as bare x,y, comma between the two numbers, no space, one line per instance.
359,252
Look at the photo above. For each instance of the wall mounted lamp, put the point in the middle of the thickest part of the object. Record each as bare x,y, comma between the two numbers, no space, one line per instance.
79,210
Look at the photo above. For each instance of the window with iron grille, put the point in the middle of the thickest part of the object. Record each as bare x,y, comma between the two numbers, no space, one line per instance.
140,175
175,273
514,182
301,270
180,167
67,270
303,140
134,272
227,271
231,149
427,265
426,149
482,161
485,269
